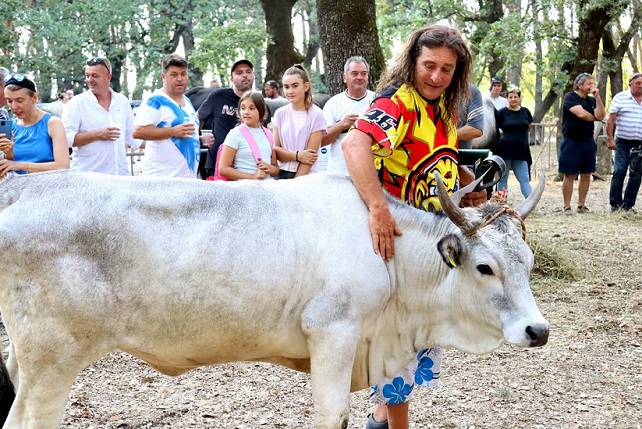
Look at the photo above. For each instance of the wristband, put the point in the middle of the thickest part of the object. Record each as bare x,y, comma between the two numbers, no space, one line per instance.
296,156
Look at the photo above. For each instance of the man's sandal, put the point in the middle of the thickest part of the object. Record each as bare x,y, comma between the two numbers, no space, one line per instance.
372,424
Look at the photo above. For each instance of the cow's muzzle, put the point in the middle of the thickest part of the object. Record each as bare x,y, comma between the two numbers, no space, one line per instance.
538,334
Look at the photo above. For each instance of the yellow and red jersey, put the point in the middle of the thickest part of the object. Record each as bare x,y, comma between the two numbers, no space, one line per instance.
411,145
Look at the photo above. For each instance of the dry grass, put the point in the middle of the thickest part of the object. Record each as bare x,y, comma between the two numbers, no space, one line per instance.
551,263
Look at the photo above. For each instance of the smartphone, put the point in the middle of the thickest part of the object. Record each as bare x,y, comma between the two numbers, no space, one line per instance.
5,127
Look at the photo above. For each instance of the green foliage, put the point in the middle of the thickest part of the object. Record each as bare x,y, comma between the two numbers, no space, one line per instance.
506,39
52,39
223,44
318,84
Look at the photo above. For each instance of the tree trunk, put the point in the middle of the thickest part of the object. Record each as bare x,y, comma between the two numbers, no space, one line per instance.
313,41
347,28
116,71
281,53
614,55
514,73
539,61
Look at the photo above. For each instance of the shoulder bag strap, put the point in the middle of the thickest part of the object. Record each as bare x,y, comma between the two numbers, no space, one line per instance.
247,134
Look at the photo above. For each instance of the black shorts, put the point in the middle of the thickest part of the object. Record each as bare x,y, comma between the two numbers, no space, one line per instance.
577,156
284,174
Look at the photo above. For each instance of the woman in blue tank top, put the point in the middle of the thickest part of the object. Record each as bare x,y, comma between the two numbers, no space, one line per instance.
38,142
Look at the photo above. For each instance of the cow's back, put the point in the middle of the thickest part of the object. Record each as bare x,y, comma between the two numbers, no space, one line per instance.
153,265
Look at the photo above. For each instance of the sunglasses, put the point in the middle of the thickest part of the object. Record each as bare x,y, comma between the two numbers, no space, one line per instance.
18,77
97,60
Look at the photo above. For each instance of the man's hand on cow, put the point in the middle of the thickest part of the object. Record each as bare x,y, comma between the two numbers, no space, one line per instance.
308,156
184,131
383,229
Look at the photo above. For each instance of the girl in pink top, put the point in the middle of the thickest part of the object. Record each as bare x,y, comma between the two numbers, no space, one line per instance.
298,127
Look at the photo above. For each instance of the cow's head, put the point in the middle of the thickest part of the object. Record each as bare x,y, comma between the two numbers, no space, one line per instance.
490,268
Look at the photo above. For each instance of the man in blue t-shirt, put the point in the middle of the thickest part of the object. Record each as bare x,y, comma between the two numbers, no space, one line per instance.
577,150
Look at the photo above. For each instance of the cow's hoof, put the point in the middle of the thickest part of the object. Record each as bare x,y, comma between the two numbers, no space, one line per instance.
372,424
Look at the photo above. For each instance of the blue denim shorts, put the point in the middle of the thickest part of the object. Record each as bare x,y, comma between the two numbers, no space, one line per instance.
577,156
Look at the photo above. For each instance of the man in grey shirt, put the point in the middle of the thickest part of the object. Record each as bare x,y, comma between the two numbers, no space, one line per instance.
470,122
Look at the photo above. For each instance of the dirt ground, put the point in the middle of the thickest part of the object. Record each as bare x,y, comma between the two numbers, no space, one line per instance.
588,376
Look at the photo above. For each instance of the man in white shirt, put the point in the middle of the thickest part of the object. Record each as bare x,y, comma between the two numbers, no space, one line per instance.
496,86
99,123
166,120
624,133
343,109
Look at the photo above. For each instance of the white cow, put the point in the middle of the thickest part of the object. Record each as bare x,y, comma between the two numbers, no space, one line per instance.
184,273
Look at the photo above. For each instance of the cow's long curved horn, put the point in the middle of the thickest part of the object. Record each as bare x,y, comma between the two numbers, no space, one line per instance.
525,208
452,210
459,194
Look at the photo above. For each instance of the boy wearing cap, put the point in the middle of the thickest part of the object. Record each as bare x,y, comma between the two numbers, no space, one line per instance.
496,86
221,106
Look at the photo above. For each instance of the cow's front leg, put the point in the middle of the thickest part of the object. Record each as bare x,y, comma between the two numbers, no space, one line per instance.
47,369
40,399
332,350
12,367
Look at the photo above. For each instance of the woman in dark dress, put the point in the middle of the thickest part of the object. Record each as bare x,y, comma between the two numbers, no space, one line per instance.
515,122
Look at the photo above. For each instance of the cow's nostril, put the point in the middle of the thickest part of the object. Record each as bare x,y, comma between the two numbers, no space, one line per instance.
538,335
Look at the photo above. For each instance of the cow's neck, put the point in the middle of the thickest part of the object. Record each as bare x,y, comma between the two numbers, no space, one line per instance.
404,327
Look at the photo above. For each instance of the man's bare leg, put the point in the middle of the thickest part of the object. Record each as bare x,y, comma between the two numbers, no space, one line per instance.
397,415
567,189
582,188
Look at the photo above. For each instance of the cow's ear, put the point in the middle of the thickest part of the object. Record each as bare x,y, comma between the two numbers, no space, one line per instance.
452,249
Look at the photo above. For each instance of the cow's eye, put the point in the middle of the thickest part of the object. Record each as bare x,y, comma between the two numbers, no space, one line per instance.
485,269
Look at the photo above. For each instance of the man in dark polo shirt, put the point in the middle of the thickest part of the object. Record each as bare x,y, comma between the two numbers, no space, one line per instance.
577,150
221,105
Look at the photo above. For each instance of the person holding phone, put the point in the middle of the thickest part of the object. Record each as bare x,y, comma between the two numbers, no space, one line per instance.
38,142
5,138
581,108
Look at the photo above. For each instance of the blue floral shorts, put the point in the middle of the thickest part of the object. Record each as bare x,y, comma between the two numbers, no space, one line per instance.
424,370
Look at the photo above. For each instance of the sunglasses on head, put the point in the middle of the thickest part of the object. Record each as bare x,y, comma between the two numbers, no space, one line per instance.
18,77
97,60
